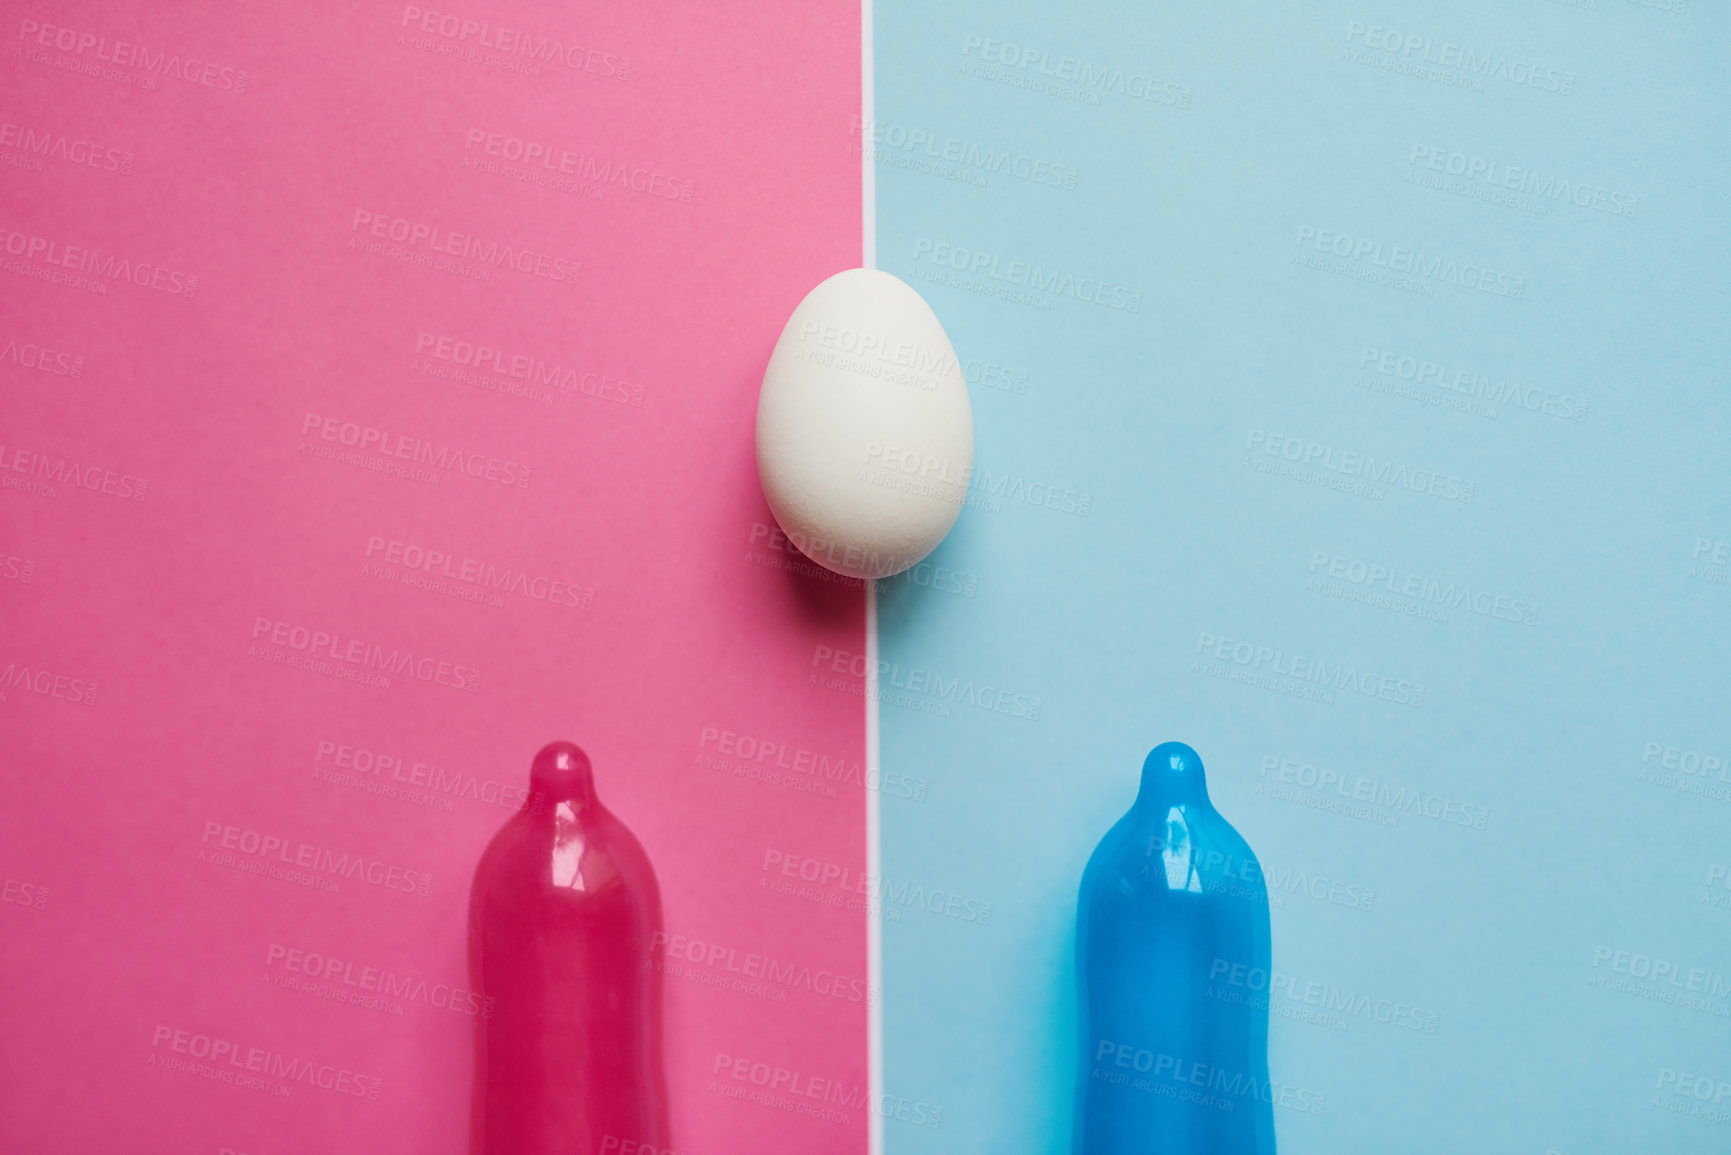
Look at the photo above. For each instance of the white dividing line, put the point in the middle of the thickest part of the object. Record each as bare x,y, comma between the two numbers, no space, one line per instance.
868,201
868,208
874,869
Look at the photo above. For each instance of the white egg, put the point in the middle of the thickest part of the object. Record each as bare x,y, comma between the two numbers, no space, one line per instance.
865,439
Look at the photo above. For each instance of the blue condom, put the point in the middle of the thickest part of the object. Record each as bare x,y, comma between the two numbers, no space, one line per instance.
1174,1053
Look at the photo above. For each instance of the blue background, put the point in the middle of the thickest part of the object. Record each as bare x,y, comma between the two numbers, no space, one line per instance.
1495,936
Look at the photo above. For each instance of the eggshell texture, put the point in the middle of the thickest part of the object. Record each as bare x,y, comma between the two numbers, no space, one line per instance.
865,438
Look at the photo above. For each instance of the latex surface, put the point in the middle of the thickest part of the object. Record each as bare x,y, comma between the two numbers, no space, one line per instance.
562,922
1174,1060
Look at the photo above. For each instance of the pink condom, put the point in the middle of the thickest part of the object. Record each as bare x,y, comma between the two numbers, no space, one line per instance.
563,918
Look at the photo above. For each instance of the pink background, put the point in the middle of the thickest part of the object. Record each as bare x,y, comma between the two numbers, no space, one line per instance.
118,921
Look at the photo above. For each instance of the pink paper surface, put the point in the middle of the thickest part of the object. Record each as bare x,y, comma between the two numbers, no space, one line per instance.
206,479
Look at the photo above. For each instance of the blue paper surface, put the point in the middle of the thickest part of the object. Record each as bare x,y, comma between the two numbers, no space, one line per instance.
1351,404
